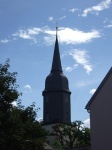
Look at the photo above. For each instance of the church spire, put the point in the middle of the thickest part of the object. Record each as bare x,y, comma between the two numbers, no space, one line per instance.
56,94
56,64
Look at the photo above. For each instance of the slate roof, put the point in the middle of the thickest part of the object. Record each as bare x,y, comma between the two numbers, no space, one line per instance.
56,64
98,89
56,80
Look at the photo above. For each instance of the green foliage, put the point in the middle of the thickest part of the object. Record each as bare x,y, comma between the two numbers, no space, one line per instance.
19,129
8,88
72,135
57,145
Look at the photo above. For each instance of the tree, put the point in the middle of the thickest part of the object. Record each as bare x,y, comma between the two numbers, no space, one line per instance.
84,139
26,133
8,88
71,135
8,94
19,129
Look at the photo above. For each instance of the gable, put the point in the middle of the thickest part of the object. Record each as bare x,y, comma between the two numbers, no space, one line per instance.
106,78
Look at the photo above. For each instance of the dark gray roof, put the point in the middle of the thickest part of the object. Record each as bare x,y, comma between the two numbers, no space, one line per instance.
56,64
56,80
98,89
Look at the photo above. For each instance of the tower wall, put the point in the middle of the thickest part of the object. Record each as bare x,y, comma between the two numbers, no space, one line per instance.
56,107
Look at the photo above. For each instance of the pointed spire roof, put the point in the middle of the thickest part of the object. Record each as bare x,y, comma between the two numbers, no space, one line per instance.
56,63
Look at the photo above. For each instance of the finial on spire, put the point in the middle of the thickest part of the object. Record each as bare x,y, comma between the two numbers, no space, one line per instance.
56,29
56,64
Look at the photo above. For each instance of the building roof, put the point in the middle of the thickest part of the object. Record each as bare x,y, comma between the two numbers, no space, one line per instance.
98,89
56,80
56,64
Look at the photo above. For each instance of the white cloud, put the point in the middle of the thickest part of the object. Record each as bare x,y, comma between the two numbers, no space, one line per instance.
92,91
65,35
73,10
75,65
4,41
50,18
50,32
95,9
34,31
108,26
28,34
48,40
69,69
27,88
81,57
23,34
62,18
87,123
73,36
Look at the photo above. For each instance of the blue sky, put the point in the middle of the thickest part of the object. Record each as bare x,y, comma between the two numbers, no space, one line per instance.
27,37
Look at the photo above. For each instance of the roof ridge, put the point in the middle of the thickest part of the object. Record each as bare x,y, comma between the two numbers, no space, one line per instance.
98,89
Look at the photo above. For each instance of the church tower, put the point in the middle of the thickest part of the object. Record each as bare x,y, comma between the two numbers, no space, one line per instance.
56,95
